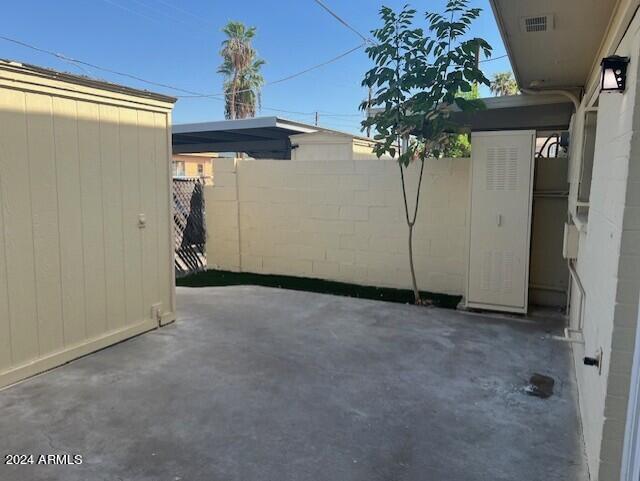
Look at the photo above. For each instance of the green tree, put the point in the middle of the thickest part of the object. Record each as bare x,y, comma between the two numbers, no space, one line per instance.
241,68
456,146
459,145
417,77
503,83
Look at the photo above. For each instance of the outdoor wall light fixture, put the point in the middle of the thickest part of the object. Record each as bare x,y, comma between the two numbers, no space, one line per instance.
614,74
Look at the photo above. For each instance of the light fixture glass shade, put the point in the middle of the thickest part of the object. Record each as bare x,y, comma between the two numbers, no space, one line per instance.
609,81
614,74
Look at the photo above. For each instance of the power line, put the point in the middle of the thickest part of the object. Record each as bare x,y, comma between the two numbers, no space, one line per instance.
149,17
492,59
187,12
167,15
193,94
315,67
329,123
279,110
333,114
67,59
368,40
323,119
135,12
94,66
342,21
288,77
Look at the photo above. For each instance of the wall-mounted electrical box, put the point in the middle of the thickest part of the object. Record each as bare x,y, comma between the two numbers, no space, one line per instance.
500,220
570,242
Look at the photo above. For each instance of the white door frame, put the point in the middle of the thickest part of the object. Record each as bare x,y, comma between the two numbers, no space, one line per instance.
631,449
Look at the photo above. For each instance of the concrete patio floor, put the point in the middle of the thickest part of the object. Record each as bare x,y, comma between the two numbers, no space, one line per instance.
254,383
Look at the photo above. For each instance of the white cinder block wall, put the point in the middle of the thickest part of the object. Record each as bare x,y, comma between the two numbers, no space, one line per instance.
339,220
609,267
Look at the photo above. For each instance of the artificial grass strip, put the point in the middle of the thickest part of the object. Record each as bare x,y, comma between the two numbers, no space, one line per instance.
227,278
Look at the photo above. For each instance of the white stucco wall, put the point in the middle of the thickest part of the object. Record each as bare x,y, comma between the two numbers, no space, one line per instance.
339,220
609,268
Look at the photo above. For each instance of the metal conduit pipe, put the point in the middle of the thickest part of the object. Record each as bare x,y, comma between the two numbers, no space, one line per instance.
576,278
566,93
574,274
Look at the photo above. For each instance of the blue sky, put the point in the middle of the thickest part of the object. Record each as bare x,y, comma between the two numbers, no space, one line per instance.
179,46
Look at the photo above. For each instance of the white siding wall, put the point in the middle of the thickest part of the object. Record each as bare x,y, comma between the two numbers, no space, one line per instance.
609,267
76,271
339,220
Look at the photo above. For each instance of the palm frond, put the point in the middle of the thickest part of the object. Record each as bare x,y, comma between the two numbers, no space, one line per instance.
241,69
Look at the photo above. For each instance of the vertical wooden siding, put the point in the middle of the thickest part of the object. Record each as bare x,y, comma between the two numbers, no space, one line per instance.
75,267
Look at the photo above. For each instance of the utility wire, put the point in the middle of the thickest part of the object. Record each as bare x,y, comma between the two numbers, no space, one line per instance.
187,12
169,16
64,58
492,59
284,79
192,93
333,114
315,67
288,77
368,40
342,21
146,16
135,12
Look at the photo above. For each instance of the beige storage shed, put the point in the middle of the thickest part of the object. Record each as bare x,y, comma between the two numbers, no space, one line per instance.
86,256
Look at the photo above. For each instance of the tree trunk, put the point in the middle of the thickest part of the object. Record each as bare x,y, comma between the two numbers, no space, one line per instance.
234,87
410,223
416,292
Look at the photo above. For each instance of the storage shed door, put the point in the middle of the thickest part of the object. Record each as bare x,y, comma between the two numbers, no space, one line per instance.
502,171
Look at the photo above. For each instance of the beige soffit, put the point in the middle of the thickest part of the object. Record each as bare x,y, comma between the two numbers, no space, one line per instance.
552,43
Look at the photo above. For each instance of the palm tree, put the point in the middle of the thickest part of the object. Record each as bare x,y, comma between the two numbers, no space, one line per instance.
243,99
503,83
241,67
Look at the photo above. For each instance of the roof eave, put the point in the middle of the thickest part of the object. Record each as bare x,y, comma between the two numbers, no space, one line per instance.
55,75
505,41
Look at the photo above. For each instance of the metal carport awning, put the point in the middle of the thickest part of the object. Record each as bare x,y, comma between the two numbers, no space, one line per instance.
261,137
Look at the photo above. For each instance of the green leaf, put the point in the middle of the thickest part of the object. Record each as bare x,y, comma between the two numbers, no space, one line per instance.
417,72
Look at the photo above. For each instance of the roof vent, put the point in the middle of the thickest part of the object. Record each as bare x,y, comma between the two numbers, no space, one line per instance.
538,23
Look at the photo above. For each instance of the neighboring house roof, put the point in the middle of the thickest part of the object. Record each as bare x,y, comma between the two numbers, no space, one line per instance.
329,136
13,67
515,112
259,137
552,43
